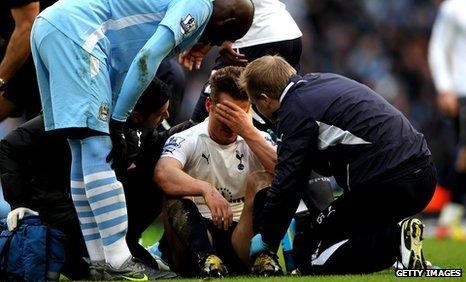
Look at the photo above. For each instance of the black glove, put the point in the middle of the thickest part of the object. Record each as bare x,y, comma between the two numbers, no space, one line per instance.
118,154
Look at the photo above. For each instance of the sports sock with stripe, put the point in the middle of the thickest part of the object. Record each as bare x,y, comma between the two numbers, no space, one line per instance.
86,217
106,198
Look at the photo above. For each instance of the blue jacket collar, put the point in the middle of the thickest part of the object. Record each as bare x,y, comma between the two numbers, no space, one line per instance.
294,81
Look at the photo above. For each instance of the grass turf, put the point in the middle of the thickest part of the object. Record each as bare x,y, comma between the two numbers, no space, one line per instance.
445,254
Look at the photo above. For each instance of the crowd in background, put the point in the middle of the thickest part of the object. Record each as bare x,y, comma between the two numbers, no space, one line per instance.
382,44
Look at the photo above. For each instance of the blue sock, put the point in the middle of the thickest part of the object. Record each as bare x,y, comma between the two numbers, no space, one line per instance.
157,254
106,198
86,217
154,250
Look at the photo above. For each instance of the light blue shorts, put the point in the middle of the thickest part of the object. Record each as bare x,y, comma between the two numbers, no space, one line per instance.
74,86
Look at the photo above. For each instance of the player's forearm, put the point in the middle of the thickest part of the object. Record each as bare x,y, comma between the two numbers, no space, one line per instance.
264,151
138,78
176,183
18,48
17,52
142,71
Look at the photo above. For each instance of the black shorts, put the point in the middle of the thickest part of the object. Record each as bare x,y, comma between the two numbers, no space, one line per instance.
461,121
221,240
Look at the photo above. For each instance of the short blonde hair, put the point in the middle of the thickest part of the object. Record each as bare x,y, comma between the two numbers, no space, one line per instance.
268,74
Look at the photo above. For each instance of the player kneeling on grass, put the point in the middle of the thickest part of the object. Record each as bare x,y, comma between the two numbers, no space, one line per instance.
339,127
210,174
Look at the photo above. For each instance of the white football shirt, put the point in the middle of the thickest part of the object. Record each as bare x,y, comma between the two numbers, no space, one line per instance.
271,23
447,48
224,166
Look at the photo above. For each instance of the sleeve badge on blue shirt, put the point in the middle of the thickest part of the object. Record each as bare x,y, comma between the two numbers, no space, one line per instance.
188,24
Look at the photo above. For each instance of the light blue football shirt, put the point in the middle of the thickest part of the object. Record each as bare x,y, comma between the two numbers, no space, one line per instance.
106,28
117,31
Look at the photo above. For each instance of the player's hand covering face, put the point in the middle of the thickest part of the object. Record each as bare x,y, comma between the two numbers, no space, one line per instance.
235,117
220,131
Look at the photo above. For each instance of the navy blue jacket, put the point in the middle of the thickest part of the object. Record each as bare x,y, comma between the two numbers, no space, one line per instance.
335,126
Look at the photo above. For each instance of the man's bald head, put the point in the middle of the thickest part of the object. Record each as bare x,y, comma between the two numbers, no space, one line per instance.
230,20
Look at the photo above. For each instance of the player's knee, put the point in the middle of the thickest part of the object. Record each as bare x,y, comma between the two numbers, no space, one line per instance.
95,149
259,179
180,211
256,181
176,206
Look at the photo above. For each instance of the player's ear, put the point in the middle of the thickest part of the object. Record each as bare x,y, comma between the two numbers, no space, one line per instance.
264,98
208,104
250,108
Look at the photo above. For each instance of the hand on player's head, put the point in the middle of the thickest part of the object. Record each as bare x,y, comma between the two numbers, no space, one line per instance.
235,117
227,122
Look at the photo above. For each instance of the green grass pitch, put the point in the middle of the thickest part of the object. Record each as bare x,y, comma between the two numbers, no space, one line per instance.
446,254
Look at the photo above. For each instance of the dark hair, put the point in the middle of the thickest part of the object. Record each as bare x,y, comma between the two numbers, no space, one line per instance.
227,81
153,98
